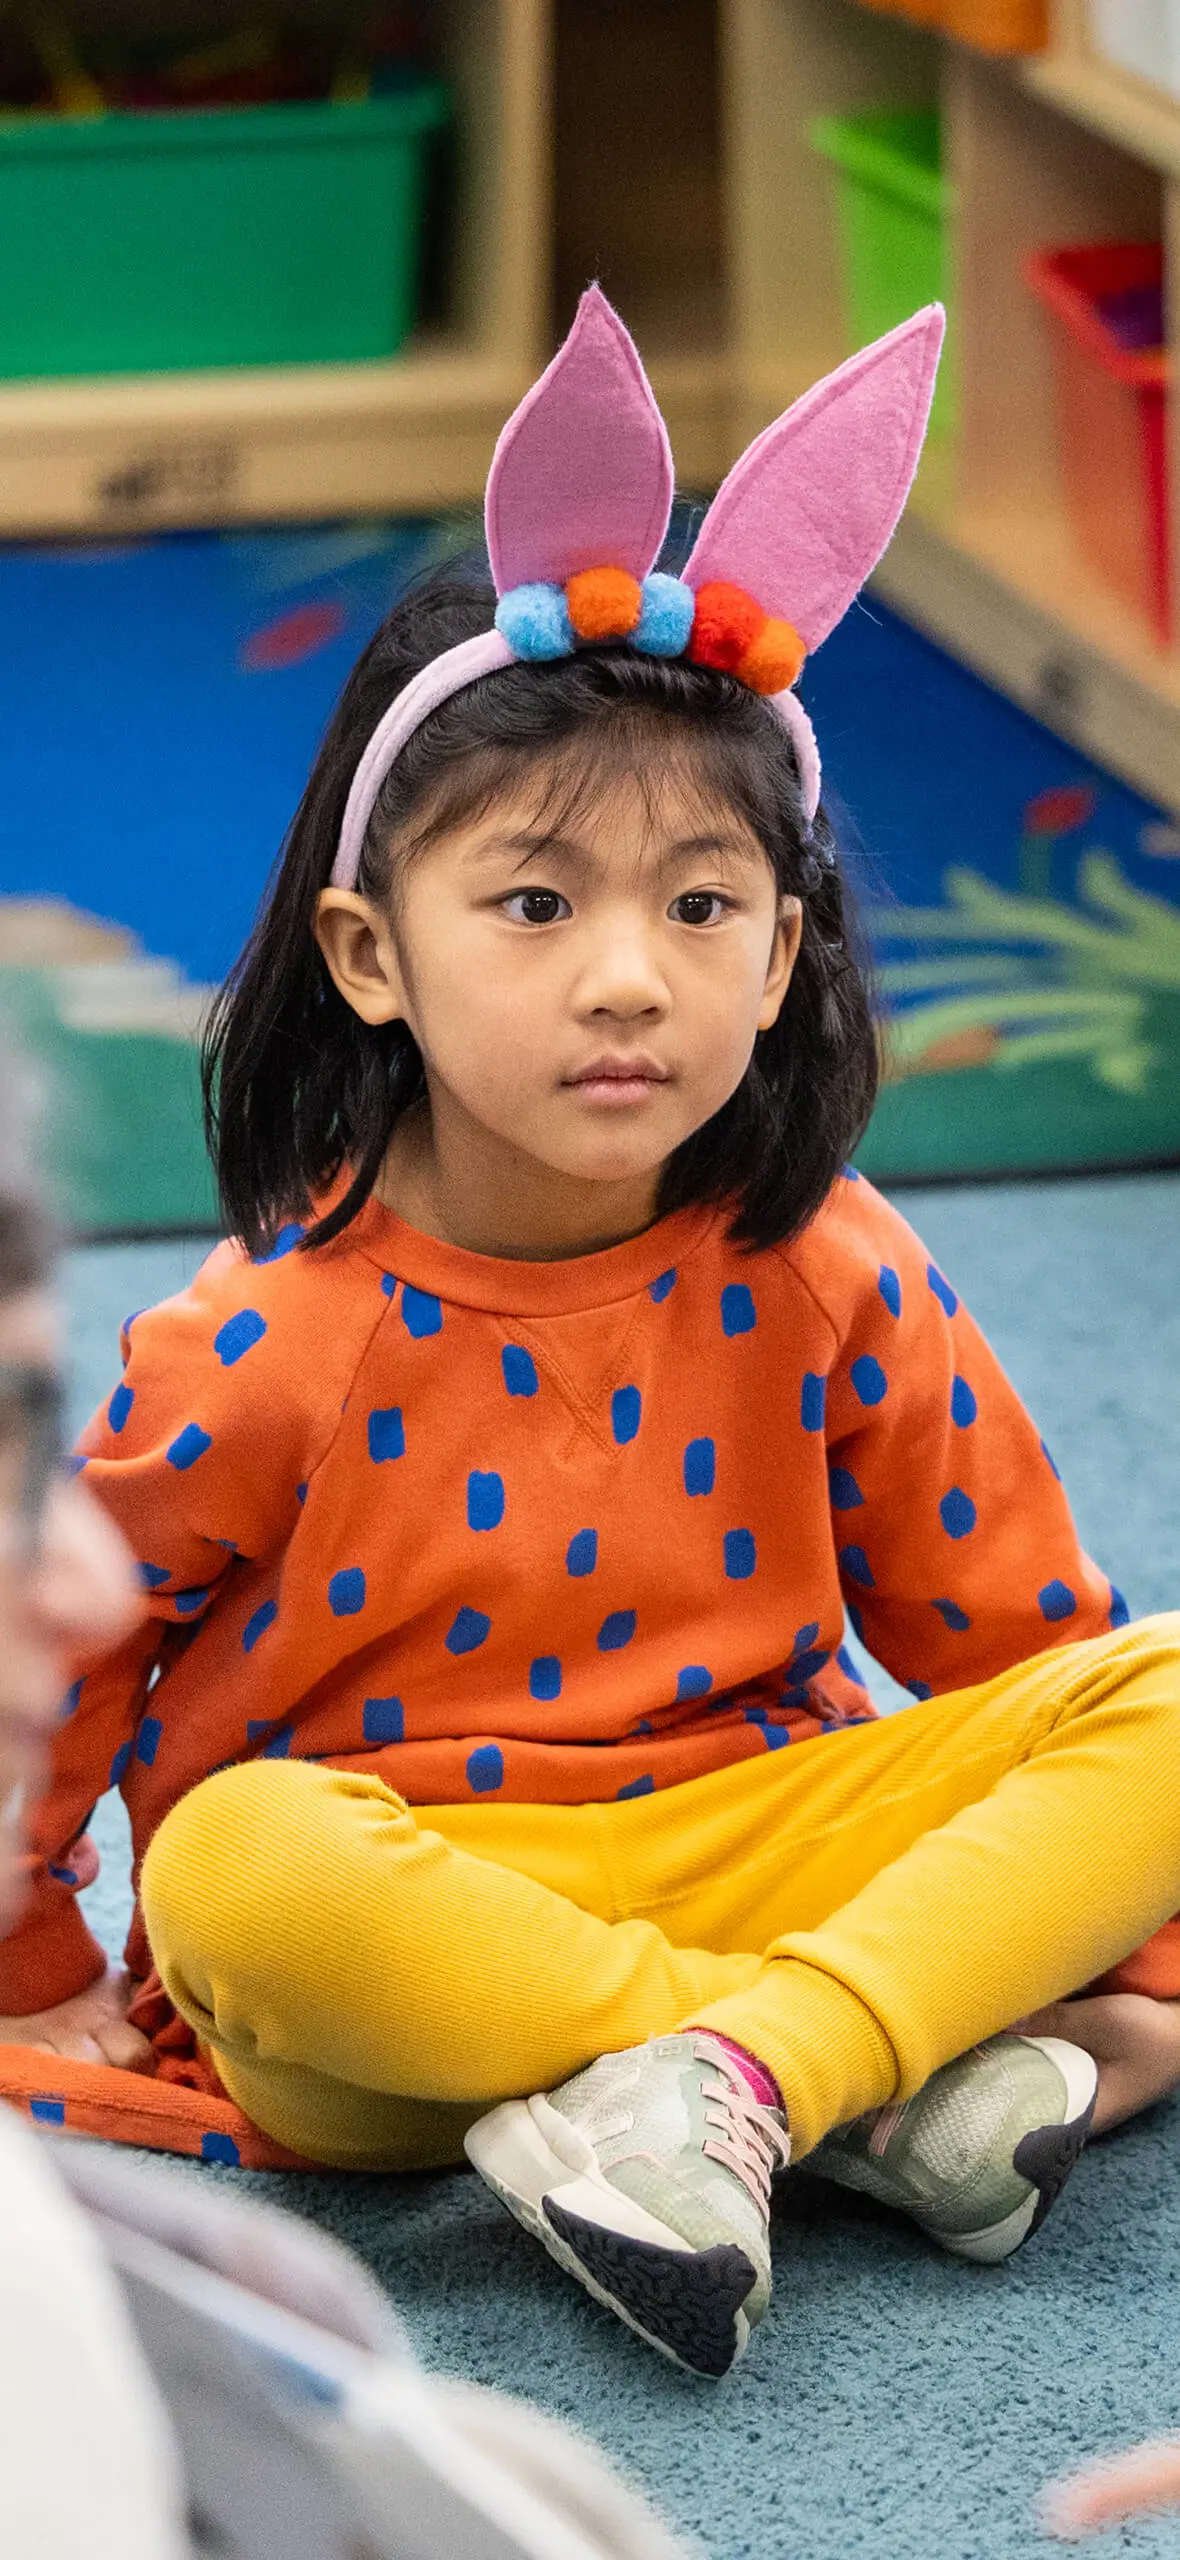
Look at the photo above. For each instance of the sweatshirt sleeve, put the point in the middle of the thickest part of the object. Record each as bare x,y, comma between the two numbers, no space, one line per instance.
200,1455
957,1551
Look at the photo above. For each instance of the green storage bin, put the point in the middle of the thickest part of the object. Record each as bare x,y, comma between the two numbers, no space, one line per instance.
212,236
894,205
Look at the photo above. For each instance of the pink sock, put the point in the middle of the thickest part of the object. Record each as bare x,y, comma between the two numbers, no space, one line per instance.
760,2080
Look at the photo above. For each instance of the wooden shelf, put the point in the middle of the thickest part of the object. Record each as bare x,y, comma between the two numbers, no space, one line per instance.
1123,110
130,451
1008,595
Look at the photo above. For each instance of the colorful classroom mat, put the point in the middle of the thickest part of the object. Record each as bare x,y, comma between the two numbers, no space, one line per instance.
162,702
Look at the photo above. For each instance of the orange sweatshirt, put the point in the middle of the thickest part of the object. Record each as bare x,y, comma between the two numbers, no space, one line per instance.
561,1530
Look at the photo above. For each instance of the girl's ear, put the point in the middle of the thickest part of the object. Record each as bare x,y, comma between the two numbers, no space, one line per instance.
359,955
782,960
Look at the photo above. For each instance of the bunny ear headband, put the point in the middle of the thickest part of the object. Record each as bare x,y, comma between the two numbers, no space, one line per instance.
577,506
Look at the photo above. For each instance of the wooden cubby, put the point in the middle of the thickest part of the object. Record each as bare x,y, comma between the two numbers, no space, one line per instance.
661,144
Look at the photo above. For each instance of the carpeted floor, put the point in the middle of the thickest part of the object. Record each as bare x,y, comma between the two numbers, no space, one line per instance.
896,2405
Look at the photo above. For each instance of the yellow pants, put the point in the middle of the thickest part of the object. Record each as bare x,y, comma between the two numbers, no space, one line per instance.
856,1910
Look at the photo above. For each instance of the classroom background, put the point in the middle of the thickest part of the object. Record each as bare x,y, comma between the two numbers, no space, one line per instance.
271,278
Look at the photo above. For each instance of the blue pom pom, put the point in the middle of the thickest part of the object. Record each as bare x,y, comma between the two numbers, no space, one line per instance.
665,621
534,621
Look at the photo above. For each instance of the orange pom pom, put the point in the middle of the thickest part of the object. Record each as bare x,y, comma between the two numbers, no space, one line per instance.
725,625
773,660
603,604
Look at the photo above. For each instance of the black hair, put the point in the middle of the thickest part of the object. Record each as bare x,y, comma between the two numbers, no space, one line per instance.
297,1088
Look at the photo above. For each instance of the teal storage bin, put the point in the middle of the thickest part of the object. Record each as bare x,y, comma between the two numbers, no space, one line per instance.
214,236
894,210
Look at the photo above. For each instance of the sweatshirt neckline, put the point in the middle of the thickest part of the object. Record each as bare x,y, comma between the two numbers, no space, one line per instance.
505,1286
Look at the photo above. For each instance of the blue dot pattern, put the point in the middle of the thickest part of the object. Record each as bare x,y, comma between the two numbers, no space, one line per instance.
889,1288
854,1562
121,1762
520,1370
1120,1615
63,1875
152,1575
616,1630
346,1592
388,1285
869,1379
421,1314
700,1466
812,1400
856,1618
957,1513
626,1406
387,1434
952,1616
285,1242
694,1681
964,1405
238,1335
942,1288
741,1554
1056,1601
147,1740
189,1445
1047,1453
638,1787
663,1287
581,1555
120,1406
258,1624
919,1689
775,1736
47,2110
69,1704
384,1720
222,2148
545,1676
468,1631
738,1311
843,1490
485,1769
485,1500
188,1603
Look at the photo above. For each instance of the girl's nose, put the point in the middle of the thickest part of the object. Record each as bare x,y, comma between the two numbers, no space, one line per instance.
83,1593
623,975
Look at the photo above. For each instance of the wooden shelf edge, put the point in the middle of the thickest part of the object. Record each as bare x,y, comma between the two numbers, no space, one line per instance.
1119,108
1125,716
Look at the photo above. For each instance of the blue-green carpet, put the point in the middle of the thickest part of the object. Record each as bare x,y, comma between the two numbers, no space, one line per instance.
897,2404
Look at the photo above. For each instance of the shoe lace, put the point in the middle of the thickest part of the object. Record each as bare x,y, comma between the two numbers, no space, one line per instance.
747,2137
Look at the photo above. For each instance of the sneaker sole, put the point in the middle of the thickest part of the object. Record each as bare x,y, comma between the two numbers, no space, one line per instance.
685,2302
1046,2157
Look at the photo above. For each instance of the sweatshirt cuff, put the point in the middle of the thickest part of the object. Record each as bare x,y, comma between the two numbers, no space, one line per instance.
48,1957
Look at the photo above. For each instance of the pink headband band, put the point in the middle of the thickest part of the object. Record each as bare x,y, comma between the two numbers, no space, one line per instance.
577,505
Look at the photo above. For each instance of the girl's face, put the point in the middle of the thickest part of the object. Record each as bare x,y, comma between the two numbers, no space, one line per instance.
585,993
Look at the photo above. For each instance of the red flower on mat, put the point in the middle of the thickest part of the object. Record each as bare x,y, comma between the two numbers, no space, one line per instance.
296,635
1057,813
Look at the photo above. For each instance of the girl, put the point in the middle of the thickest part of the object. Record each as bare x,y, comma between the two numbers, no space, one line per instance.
499,1491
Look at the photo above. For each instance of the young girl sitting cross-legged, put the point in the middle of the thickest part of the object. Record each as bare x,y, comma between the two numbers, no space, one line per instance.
497,1771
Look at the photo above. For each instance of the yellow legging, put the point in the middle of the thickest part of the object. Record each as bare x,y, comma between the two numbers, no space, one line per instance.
855,1910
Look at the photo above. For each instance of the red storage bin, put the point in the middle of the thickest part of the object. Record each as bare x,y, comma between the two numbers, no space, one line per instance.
1106,304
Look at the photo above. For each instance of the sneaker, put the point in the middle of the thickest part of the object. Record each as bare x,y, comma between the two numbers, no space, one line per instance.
982,2152
648,2178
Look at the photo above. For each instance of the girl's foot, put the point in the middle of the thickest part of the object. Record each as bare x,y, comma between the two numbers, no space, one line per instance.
982,2152
648,2178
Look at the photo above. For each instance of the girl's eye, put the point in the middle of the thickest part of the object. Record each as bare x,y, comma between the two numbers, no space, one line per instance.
700,906
540,906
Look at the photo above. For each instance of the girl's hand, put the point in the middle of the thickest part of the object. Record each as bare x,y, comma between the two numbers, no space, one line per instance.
1131,2484
1134,2041
92,2027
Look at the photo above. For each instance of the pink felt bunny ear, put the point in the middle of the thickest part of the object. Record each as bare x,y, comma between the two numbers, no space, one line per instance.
810,507
581,477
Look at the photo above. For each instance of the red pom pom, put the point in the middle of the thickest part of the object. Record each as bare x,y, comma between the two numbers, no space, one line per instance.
603,604
725,624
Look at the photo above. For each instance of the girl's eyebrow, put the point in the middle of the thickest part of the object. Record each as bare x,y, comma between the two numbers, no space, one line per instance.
543,845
